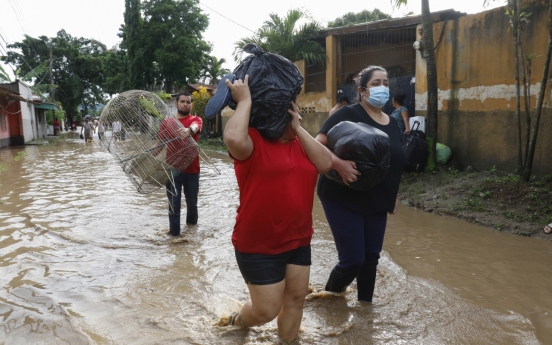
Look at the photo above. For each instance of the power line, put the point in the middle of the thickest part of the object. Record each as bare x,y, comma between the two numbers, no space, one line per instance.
21,20
226,17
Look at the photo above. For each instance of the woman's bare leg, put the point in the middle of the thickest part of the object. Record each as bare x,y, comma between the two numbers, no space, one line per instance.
264,306
296,289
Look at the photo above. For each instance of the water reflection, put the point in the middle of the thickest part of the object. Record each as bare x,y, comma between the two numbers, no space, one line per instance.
85,259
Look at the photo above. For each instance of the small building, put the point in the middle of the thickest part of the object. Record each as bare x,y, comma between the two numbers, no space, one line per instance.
350,49
23,113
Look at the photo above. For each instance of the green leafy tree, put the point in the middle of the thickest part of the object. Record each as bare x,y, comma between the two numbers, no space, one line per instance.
4,76
173,46
214,70
285,37
74,63
432,105
364,16
115,67
132,32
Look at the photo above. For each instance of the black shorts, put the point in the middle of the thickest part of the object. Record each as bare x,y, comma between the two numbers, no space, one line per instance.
265,269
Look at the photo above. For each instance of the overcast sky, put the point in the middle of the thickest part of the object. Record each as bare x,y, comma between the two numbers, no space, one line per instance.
100,19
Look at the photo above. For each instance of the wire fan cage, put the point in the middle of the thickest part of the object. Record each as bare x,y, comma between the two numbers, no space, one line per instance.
137,128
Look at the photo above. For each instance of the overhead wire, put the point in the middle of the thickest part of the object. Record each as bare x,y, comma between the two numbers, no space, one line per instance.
20,19
223,16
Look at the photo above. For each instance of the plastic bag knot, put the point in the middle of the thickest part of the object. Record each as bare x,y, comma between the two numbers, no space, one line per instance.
253,49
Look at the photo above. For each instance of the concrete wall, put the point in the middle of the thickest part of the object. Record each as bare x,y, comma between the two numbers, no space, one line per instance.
4,123
477,88
28,117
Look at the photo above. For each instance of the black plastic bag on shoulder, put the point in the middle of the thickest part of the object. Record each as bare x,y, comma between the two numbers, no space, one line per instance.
365,145
274,82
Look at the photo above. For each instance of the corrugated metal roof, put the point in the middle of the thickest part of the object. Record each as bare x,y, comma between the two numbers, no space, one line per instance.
11,95
390,23
48,106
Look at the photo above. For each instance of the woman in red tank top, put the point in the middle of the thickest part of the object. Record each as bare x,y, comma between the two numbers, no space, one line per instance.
274,222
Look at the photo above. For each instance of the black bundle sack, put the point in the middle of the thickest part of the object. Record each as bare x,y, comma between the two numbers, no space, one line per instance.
365,145
274,82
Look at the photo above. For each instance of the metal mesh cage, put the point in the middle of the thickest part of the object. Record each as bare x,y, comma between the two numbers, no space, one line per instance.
137,128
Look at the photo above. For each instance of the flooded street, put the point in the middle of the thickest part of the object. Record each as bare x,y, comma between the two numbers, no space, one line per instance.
86,259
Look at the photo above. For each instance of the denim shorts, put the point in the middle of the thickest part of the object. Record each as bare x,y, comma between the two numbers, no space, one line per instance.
265,269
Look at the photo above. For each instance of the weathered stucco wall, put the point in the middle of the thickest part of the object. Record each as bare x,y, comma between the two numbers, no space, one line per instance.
475,71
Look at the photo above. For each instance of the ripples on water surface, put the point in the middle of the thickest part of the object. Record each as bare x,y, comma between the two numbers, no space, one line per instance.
85,259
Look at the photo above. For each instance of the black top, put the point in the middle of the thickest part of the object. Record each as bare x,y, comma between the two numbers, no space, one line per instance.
381,197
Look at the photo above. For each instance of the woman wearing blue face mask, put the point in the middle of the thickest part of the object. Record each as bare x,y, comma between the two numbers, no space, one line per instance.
358,218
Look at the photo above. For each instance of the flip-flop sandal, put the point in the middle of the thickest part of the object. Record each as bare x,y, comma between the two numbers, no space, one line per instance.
233,317
221,98
550,226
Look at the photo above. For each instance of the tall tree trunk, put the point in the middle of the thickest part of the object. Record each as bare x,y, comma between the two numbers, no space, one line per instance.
526,100
527,131
432,109
132,43
526,176
514,13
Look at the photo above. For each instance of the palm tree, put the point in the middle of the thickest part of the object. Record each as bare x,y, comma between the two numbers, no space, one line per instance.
432,108
4,77
214,70
282,36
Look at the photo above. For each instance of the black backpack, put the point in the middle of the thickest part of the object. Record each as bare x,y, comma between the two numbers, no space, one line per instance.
417,150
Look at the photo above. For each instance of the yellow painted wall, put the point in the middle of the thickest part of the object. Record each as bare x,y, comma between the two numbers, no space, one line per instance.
475,60
476,81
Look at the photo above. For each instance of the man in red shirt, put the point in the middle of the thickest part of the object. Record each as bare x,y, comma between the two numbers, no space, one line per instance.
185,178
56,126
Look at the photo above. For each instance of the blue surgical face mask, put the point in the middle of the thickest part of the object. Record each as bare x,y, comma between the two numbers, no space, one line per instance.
379,95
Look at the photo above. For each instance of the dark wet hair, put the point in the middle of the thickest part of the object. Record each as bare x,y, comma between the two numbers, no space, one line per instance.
183,93
399,98
342,97
366,74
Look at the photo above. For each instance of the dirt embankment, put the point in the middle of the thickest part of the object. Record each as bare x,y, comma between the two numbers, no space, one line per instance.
490,198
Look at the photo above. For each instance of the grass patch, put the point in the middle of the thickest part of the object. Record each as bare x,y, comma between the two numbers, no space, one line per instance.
491,198
214,144
20,155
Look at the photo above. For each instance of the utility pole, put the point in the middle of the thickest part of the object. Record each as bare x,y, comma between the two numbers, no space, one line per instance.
52,92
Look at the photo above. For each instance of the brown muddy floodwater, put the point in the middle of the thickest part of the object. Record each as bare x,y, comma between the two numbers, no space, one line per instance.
85,259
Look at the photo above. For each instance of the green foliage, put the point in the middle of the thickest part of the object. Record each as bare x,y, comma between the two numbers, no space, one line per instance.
475,204
163,95
214,70
76,66
399,3
172,44
4,77
503,179
115,67
364,16
20,155
200,99
213,144
132,42
283,36
454,171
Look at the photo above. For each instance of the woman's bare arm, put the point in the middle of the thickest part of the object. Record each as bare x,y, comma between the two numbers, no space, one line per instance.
318,154
236,136
346,169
